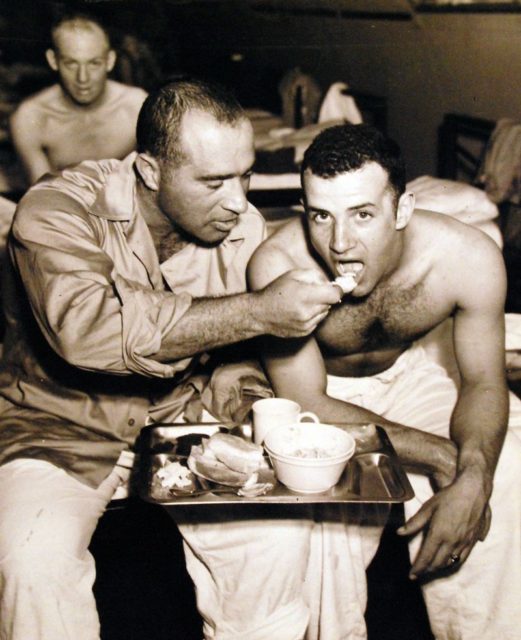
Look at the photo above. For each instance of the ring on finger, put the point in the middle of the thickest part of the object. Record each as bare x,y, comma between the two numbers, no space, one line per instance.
453,559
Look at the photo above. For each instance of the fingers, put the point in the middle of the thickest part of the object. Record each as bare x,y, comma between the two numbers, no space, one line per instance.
439,550
306,327
320,289
487,519
416,523
317,319
119,475
444,557
108,487
310,276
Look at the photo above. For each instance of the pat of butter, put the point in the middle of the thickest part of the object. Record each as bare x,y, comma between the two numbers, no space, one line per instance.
347,283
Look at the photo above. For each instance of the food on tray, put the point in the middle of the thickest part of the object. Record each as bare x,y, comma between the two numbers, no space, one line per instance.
174,474
377,477
308,440
172,477
236,453
313,452
234,462
205,464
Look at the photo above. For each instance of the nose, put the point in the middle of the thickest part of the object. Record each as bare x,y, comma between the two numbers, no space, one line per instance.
235,199
82,75
343,238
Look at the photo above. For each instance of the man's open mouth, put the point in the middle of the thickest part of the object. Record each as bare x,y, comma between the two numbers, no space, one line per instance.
352,268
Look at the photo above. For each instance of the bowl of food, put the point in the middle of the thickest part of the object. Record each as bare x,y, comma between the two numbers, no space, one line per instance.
309,457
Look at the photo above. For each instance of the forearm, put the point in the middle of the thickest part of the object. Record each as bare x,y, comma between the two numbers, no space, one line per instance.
478,428
287,307
210,323
418,450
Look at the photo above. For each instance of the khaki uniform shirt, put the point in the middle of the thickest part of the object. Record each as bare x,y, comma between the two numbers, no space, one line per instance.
87,305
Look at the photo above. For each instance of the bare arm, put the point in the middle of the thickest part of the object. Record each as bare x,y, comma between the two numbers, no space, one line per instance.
296,370
25,134
71,283
286,307
459,516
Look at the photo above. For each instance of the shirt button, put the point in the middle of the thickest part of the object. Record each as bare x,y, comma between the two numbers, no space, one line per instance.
131,422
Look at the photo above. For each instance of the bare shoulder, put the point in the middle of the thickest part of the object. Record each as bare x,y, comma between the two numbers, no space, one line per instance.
283,250
445,232
126,95
460,254
32,111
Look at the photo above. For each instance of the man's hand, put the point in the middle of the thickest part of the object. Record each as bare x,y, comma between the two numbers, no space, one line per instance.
453,520
293,305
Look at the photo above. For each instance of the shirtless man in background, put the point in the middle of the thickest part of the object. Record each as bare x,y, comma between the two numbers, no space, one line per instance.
406,272
83,117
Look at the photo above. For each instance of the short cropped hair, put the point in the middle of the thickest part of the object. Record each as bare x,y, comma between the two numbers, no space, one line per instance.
159,121
77,20
348,147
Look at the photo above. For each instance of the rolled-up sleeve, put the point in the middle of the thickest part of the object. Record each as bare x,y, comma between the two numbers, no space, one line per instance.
146,317
95,306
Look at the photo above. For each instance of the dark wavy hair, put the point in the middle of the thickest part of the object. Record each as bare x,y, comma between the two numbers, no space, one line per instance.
158,125
348,147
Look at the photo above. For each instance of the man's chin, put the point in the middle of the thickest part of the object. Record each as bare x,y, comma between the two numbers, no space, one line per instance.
82,101
214,242
211,240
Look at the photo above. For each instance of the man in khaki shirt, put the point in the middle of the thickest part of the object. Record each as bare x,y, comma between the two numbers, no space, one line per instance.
123,274
85,116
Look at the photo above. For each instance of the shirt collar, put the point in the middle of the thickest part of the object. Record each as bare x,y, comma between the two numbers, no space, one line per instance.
112,202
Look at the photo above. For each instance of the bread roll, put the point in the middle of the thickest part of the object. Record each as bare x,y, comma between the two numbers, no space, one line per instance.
206,466
237,454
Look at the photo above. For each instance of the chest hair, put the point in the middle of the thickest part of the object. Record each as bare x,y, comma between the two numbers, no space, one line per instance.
388,317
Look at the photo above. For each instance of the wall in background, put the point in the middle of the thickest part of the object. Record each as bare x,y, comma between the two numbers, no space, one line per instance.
426,66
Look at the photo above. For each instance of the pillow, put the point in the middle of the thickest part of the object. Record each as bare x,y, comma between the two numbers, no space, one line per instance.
457,199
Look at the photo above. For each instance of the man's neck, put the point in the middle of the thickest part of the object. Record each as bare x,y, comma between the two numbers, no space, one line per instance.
167,239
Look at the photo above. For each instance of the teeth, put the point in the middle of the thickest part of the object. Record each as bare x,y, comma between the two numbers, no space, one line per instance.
351,268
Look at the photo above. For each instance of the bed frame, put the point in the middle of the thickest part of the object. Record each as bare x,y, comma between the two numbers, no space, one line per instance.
373,110
462,142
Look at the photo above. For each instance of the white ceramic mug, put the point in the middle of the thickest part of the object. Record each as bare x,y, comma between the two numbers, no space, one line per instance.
275,412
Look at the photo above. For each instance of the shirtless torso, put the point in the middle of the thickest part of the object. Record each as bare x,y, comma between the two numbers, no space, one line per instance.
413,270
50,132
364,335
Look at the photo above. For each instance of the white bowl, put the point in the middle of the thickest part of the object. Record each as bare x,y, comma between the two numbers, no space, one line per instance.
309,457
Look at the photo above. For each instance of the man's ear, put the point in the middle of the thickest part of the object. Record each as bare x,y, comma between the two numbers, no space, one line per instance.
148,169
51,59
111,60
405,209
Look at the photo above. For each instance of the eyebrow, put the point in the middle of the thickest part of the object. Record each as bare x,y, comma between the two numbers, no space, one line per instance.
224,176
72,59
354,208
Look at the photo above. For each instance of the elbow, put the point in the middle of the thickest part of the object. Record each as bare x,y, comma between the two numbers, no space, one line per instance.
88,352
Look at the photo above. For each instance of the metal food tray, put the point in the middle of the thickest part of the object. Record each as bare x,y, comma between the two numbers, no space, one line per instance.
373,475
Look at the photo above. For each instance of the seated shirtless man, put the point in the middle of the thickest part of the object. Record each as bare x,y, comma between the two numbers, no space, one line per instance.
84,116
405,272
